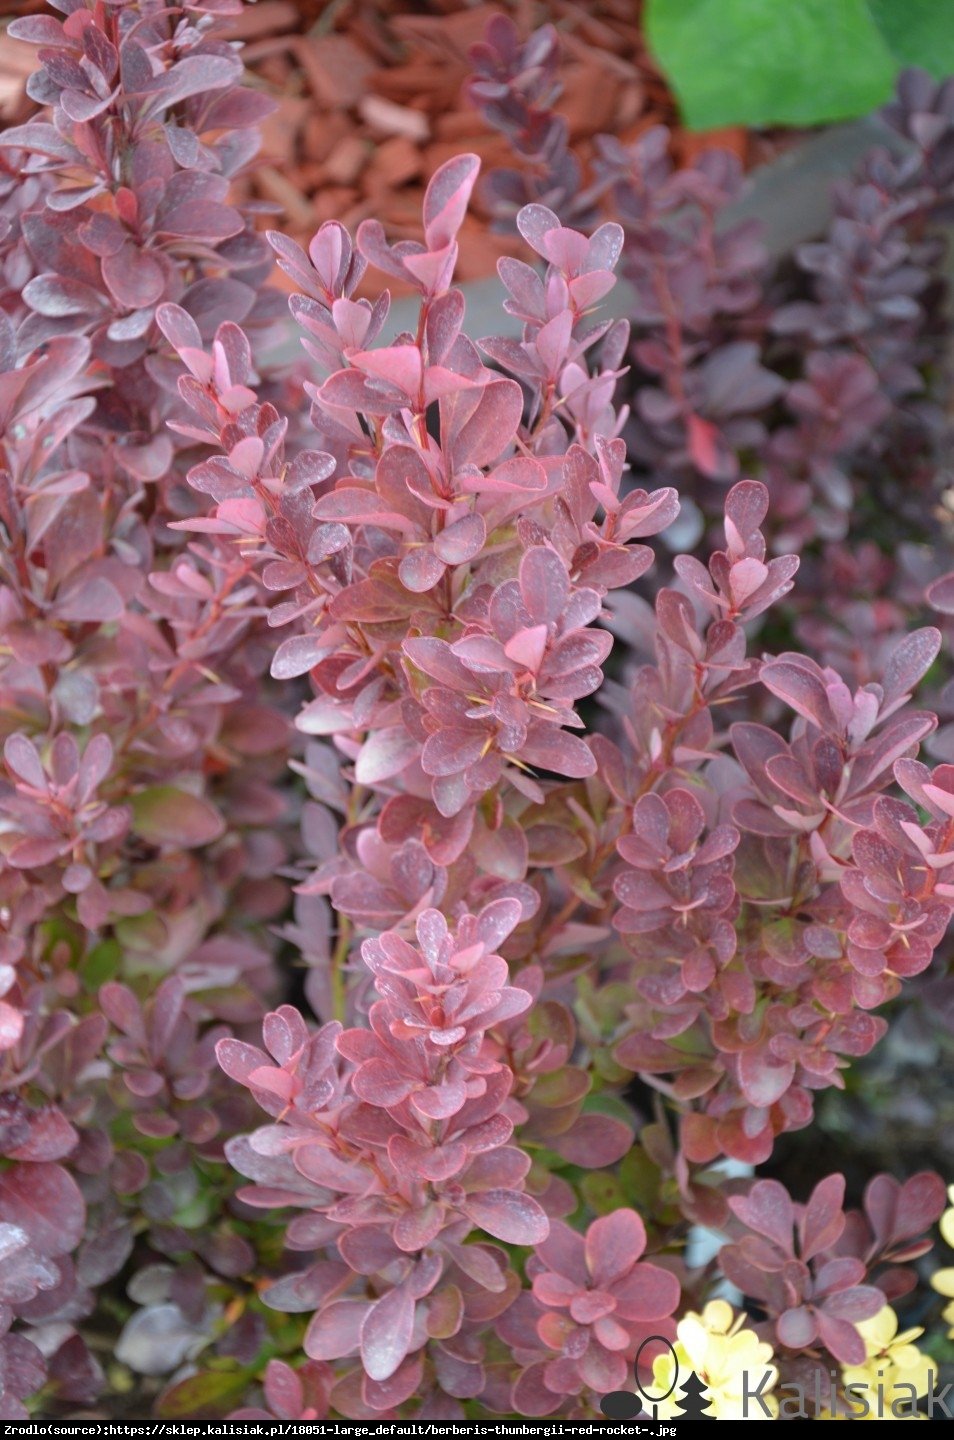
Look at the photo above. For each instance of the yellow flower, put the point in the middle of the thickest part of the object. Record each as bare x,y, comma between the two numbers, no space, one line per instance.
894,1371
725,1357
943,1280
947,1219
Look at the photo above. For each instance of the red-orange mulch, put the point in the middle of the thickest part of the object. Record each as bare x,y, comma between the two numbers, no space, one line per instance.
371,101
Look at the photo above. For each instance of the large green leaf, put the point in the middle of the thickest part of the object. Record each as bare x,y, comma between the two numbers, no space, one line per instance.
918,32
771,62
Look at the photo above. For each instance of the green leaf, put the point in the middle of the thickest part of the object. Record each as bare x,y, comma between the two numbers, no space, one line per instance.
195,1214
771,62
561,1087
918,32
141,936
549,1020
211,1392
102,964
59,933
603,1192
605,1069
604,1007
603,1104
164,815
640,1178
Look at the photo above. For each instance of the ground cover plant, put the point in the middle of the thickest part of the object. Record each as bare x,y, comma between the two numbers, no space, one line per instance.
415,885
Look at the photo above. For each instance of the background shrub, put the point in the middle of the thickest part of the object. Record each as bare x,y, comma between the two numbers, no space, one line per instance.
358,653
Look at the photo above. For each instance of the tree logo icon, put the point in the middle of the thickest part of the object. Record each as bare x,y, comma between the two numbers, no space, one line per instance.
625,1405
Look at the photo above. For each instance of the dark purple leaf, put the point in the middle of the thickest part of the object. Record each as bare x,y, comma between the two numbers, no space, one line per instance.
841,1338
823,1220
767,1209
44,1201
134,277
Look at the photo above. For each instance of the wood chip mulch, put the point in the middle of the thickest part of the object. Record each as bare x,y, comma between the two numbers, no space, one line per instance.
371,101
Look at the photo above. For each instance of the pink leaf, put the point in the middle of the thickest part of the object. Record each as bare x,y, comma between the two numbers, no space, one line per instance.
384,754
919,1205
544,584
498,920
94,600
527,648
397,365
446,198
940,595
134,277
51,1134
842,1273
594,1141
647,1293
462,540
532,1395
705,449
507,1215
420,570
22,758
823,1220
165,815
796,1328
763,1078
305,1290
283,1390
553,749
909,661
746,506
491,425
11,1025
840,1337
297,655
334,1333
535,222
767,1209
418,1227
799,687
378,1082
386,1333
239,1059
37,30
521,476
613,1244
452,750
95,765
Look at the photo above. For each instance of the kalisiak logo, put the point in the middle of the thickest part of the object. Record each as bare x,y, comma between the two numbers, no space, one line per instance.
624,1405
828,1396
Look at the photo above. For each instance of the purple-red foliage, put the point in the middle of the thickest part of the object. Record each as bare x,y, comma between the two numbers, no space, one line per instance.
139,801
824,375
509,900
805,1265
515,85
594,1302
766,987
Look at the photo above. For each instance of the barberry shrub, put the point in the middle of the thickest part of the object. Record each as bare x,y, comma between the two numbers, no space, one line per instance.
360,653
